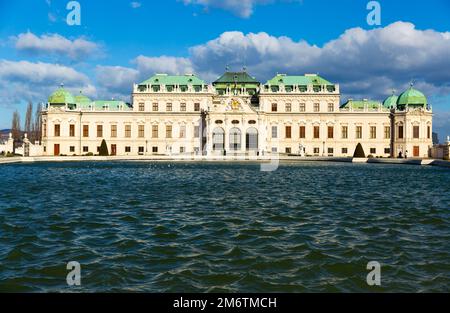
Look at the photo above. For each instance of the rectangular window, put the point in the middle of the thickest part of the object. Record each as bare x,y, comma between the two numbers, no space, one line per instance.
344,150
316,150
85,130
168,131
72,149
196,131
141,150
141,131
288,150
274,132
113,131
330,107
429,132
85,149
99,131
288,132
330,132
400,132
316,107
196,107
274,149
288,107
155,107
154,131
387,150
182,131
169,107
127,149
182,149
373,132
373,150
155,149
330,150
302,132
416,132
72,130
358,132
57,130
302,107
274,107
141,107
316,132
344,132
387,132
44,130
127,131
183,107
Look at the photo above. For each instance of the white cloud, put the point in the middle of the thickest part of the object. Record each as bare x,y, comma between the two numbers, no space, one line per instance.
55,44
241,8
135,4
163,64
28,81
365,62
115,81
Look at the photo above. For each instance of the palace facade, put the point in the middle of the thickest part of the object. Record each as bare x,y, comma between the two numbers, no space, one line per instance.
237,115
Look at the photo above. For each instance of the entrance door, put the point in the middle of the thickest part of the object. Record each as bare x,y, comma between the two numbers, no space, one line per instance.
416,151
56,150
113,149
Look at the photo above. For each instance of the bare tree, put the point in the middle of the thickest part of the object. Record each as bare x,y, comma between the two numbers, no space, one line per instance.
37,124
28,118
15,127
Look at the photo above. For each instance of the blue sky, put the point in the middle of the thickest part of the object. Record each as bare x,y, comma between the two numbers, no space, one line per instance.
121,42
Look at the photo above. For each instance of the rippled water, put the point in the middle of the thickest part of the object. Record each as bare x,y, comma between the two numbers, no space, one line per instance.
190,227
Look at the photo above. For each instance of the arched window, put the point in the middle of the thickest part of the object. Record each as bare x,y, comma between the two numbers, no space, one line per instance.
235,138
218,138
251,139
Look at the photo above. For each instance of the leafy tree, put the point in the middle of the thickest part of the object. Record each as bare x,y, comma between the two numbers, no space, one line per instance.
359,152
103,149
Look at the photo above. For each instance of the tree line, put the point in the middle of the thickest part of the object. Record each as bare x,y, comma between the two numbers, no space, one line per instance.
32,126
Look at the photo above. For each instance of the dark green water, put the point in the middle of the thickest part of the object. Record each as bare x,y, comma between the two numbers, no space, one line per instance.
189,227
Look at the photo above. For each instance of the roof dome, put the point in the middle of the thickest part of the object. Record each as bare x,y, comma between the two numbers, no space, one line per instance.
82,98
390,102
412,97
61,96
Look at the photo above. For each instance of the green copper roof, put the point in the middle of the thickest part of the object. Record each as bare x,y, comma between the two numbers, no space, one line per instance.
304,80
82,99
390,102
113,105
412,97
164,79
236,77
61,96
360,104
